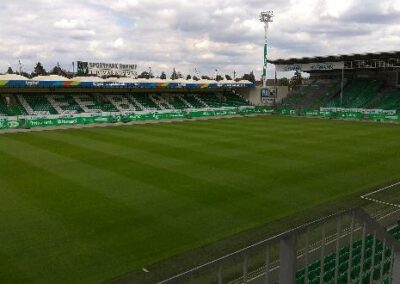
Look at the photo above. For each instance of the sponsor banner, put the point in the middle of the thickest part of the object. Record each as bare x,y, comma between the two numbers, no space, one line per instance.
323,66
141,84
384,117
312,113
42,122
31,122
150,85
15,83
360,110
3,124
350,115
106,69
287,68
288,112
310,67
265,93
9,124
343,114
53,120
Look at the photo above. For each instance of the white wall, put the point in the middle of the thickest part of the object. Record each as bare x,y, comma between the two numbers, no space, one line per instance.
253,95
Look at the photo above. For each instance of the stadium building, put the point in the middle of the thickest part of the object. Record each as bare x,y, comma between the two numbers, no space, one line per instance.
358,243
292,187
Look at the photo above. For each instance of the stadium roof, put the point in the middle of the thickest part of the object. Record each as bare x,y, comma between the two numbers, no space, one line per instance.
50,78
88,79
121,80
12,77
338,58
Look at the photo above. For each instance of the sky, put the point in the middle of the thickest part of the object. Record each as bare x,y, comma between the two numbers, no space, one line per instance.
190,34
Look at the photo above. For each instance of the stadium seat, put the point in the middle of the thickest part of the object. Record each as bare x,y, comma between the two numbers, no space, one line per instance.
39,104
64,104
380,260
69,104
12,108
195,101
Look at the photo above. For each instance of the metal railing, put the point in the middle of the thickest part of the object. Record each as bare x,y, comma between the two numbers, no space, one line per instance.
301,253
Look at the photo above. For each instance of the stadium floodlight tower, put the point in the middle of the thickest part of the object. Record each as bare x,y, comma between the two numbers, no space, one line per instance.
266,18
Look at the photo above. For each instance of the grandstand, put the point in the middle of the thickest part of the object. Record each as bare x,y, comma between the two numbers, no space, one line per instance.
312,94
46,104
369,81
51,100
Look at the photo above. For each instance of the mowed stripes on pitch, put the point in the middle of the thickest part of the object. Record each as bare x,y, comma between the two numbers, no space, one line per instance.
87,205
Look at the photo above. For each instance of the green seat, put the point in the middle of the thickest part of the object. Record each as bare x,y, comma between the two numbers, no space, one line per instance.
356,260
368,253
378,258
342,278
388,253
313,274
344,257
300,280
367,264
314,265
386,267
314,281
328,265
366,278
329,275
343,267
377,272
355,272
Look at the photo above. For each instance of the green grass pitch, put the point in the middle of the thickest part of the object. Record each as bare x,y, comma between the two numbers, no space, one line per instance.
84,206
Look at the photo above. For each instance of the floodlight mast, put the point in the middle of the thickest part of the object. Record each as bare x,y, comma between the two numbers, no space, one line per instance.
266,18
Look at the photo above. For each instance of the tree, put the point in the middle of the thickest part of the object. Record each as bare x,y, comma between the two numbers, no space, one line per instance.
39,70
68,74
195,78
188,77
252,77
163,75
174,75
249,77
297,74
57,70
228,77
25,74
150,73
10,71
219,78
205,77
283,81
296,80
144,75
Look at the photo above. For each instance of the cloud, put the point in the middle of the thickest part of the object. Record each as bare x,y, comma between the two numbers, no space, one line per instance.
66,24
188,34
119,43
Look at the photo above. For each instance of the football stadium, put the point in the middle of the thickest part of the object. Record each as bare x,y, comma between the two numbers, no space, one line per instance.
107,177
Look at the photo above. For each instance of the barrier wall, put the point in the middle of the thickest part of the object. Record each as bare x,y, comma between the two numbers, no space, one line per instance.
343,114
32,122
